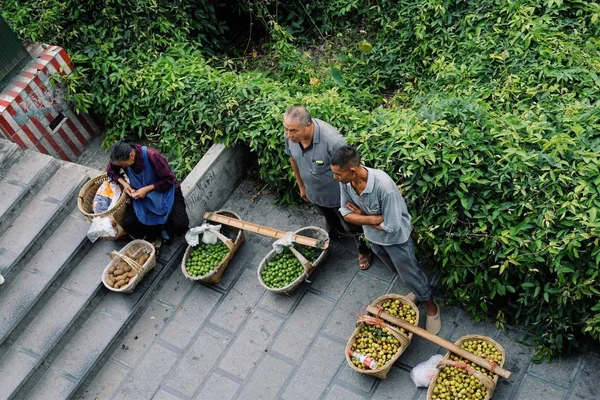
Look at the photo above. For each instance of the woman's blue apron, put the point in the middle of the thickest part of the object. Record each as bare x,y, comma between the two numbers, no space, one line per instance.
154,209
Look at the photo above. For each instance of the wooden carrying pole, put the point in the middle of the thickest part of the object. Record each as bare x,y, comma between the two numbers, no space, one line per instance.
482,362
264,230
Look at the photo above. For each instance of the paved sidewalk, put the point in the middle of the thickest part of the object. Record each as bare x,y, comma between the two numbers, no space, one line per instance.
234,340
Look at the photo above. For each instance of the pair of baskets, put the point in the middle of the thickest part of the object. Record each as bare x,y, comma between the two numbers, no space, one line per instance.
488,382
404,338
309,267
233,239
128,255
85,201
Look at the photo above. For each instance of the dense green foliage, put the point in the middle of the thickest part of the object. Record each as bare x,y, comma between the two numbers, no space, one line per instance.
487,114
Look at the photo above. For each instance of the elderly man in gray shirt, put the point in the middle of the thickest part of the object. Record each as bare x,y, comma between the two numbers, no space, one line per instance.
369,197
310,143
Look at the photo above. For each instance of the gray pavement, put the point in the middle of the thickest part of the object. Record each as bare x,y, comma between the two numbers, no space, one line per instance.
234,340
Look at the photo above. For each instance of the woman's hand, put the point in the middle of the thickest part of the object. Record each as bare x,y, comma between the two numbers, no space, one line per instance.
128,189
142,192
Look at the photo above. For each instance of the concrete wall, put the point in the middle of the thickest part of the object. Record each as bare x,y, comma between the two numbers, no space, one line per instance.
213,180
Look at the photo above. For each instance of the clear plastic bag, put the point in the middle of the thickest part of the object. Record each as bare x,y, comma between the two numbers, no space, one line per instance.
421,374
105,227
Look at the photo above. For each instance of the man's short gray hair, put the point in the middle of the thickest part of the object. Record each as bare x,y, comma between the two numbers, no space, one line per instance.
299,114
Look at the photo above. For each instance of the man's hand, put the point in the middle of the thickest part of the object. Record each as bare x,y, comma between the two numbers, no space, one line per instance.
378,227
354,208
303,193
359,217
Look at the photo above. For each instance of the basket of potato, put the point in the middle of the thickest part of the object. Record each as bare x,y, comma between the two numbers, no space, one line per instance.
128,266
371,342
283,272
457,378
207,262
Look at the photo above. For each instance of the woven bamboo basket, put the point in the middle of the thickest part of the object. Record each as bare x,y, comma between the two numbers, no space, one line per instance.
309,231
382,371
233,239
128,254
86,198
489,383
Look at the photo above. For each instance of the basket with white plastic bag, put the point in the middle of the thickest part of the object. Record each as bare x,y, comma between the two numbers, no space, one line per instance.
210,249
289,263
103,203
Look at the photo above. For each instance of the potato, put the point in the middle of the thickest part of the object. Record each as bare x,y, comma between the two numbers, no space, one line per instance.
120,283
127,268
119,272
121,277
131,274
143,259
122,265
112,269
110,282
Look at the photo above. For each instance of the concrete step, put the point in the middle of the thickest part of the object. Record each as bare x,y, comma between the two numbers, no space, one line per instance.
30,171
47,206
53,321
48,263
86,349
9,152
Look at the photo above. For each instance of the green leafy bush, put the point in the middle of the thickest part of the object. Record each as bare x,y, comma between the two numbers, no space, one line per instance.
487,113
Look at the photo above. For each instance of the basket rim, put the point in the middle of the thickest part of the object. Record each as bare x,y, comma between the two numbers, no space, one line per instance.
80,197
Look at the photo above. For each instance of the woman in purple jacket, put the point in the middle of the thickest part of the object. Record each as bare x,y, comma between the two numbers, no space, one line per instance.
158,210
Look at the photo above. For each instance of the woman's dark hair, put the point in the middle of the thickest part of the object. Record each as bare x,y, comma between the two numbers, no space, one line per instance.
120,151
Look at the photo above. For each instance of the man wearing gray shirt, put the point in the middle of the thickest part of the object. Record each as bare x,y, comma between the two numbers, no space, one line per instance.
369,197
310,143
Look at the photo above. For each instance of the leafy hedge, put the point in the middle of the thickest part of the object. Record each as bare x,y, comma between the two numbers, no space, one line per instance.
487,113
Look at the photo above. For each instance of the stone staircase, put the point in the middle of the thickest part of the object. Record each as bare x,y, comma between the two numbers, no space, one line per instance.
56,318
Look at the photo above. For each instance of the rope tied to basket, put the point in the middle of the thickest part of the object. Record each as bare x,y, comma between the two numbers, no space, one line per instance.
486,380
131,262
377,321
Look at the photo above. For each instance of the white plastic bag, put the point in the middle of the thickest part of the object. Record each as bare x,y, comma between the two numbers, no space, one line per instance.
1,279
104,227
285,241
100,227
191,237
421,374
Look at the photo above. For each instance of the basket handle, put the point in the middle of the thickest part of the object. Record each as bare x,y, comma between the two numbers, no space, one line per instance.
305,263
486,380
376,321
131,262
228,242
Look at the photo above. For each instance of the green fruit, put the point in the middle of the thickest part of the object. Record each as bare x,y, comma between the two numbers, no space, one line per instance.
204,258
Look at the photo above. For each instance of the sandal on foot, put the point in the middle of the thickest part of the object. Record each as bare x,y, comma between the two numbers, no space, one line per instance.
434,322
364,261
